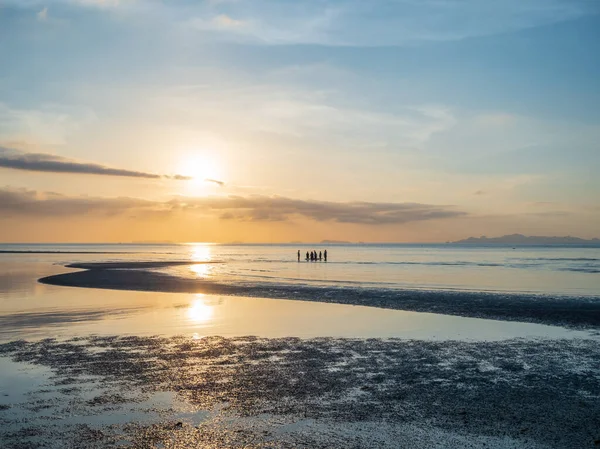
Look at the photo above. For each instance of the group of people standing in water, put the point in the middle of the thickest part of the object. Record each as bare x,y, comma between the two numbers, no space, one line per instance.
313,256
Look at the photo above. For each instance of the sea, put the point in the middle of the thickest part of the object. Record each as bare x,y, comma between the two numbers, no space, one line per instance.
94,367
563,270
32,310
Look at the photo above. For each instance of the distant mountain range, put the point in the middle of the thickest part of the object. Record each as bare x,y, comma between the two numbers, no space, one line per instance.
519,239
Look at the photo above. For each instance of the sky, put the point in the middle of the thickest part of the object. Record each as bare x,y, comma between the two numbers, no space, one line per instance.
304,120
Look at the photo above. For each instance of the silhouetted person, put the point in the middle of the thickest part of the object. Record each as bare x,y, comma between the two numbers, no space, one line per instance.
325,255
320,255
298,255
307,257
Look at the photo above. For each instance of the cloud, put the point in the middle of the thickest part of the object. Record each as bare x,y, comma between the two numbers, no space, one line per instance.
500,119
551,213
341,22
255,208
42,15
41,162
543,203
48,124
224,21
215,181
276,208
301,113
24,202
99,3
178,177
220,22
384,22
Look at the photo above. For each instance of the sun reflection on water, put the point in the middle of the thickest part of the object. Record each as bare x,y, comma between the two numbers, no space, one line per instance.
201,269
199,311
201,253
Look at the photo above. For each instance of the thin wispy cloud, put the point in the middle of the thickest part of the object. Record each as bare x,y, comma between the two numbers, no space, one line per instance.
40,162
46,123
350,23
345,22
340,22
215,181
101,3
255,208
223,20
304,113
42,15
276,208
26,202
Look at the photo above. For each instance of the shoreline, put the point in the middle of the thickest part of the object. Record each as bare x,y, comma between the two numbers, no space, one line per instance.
568,311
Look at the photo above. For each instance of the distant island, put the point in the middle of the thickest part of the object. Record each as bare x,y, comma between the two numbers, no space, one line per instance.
519,239
334,242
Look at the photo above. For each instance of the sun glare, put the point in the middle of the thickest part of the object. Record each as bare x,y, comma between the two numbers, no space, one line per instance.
201,170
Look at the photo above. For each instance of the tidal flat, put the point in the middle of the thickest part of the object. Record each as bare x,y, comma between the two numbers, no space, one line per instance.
576,312
250,392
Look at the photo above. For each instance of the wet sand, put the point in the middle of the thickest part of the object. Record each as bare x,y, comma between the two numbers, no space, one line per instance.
127,388
336,393
574,312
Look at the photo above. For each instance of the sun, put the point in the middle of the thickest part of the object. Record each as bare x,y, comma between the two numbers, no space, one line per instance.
202,170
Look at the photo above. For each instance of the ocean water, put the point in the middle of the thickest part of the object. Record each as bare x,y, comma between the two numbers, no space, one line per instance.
32,310
556,270
37,397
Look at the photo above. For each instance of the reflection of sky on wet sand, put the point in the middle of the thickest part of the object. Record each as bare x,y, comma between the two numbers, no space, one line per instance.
31,311
199,311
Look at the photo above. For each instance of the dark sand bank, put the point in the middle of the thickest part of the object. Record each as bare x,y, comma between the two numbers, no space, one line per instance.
288,393
575,312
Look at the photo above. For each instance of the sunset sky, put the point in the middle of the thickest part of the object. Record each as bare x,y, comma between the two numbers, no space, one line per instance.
406,120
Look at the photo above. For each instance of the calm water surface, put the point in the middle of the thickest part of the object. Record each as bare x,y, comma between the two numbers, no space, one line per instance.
31,310
539,269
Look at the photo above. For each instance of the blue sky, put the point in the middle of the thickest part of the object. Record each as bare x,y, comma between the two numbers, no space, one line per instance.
486,107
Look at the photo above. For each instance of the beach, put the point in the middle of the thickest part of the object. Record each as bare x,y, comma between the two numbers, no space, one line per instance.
153,350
